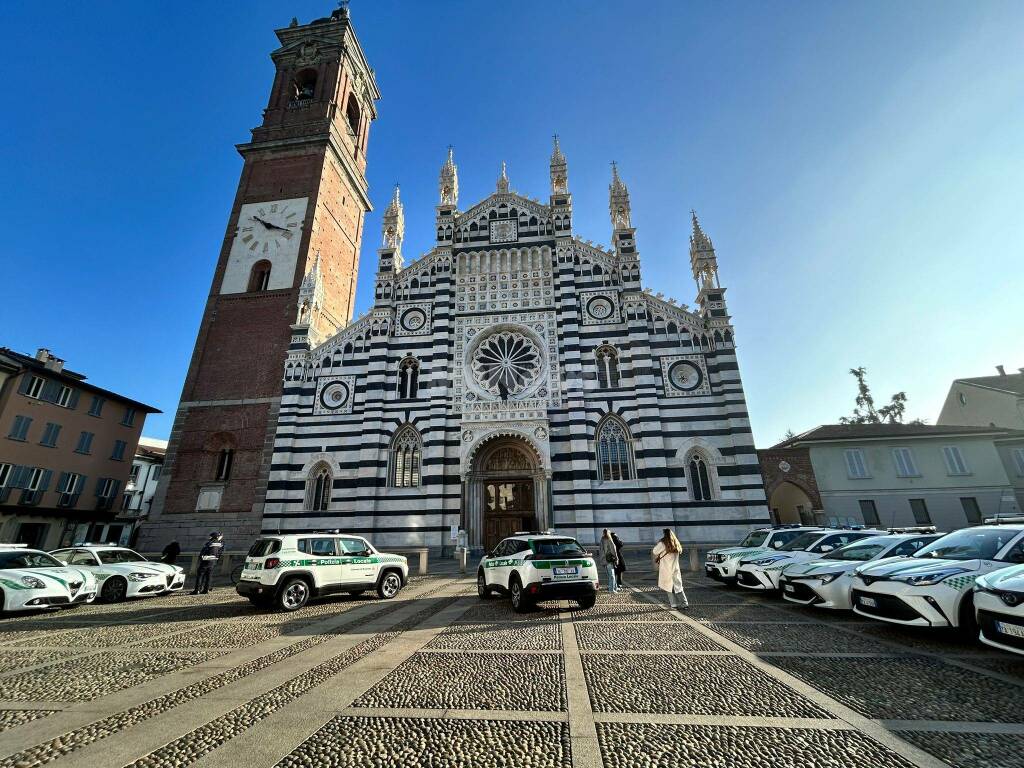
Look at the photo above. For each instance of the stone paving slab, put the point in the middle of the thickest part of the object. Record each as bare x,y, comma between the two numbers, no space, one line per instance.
701,685
499,610
359,742
523,636
11,718
646,745
800,638
638,611
948,642
971,750
913,688
473,681
14,660
646,636
745,612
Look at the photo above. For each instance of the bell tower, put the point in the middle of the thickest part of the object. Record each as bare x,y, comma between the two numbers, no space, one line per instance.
299,208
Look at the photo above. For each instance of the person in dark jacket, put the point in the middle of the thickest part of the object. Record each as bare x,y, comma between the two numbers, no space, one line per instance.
170,553
620,566
209,556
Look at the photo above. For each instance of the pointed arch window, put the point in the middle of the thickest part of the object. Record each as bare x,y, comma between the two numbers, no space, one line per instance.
615,451
318,488
259,277
225,459
404,466
701,488
408,379
607,367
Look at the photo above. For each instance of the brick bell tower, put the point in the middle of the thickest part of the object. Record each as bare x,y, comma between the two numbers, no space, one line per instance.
299,206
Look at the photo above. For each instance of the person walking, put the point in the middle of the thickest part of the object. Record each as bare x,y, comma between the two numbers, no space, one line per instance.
620,567
666,559
611,559
170,553
209,556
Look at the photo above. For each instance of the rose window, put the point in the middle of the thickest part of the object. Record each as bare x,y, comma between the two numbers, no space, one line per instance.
506,363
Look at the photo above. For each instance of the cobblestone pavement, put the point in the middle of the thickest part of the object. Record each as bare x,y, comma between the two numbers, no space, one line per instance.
439,678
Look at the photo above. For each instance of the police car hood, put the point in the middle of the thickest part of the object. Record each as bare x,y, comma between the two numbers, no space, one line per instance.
821,567
913,566
51,577
781,558
142,566
731,552
1011,579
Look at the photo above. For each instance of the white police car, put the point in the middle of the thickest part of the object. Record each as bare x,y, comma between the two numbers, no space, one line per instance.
287,570
762,571
121,572
32,580
721,564
826,583
999,608
531,567
935,587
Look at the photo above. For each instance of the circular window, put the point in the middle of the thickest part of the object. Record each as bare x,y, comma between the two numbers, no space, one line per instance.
600,308
414,319
685,376
334,395
506,363
785,466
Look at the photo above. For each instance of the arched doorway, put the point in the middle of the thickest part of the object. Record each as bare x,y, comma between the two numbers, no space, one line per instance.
506,491
790,504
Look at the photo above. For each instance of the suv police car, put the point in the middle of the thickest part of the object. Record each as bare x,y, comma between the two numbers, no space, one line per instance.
287,570
121,572
934,588
31,580
530,567
764,571
999,606
721,564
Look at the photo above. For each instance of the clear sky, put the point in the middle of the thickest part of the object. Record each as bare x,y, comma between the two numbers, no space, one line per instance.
859,166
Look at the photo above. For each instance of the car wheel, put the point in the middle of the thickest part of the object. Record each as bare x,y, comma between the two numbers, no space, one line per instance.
389,585
293,595
114,590
482,590
967,622
520,602
586,602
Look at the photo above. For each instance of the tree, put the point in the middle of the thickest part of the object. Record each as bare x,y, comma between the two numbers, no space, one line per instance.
789,435
865,411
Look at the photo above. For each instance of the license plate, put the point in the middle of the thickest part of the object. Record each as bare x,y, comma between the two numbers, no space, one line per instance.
870,602
789,588
566,573
1013,630
250,576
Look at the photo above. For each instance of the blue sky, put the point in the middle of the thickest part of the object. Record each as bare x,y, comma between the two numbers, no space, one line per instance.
859,166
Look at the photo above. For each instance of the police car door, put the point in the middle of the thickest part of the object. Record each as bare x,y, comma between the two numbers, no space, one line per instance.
359,565
495,567
322,557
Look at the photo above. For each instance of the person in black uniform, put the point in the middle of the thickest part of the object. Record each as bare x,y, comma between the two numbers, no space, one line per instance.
209,556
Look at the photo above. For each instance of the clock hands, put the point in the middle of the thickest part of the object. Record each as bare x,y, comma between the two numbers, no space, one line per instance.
268,225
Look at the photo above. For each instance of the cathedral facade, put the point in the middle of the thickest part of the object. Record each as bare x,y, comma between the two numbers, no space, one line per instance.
516,377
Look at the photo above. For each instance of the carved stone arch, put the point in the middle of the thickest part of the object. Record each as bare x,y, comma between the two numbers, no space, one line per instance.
543,459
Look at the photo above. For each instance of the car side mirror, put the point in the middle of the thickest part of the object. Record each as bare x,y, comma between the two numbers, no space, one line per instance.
827,547
777,544
62,562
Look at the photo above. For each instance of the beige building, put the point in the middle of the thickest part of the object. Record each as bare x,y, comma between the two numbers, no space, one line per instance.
66,451
986,401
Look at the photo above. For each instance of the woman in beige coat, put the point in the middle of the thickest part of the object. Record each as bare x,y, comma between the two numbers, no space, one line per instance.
666,559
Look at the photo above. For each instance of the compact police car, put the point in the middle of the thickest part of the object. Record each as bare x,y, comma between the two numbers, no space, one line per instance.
32,580
935,587
287,570
762,571
721,563
999,608
530,567
121,572
826,583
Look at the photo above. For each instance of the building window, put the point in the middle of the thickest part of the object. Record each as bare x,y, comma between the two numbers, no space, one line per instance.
303,88
404,466
19,430
318,488
955,464
96,406
155,474
34,483
106,492
352,113
869,512
224,461
84,442
408,378
6,472
126,502
64,397
259,277
133,473
614,451
34,388
904,460
69,487
129,417
607,367
1018,460
118,453
700,478
50,432
920,510
971,510
856,464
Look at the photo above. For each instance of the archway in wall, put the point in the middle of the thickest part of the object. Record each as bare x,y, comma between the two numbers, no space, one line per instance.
790,504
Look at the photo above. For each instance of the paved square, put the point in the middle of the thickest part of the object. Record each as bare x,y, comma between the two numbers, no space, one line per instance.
795,638
522,636
642,636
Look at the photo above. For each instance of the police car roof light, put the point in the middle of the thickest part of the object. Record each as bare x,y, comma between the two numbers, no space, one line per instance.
13,546
997,520
913,529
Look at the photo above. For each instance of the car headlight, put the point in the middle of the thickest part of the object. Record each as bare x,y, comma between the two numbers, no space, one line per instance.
828,578
928,579
32,582
139,576
767,561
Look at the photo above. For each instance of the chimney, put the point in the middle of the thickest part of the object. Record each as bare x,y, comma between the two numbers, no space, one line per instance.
52,363
1002,371
42,354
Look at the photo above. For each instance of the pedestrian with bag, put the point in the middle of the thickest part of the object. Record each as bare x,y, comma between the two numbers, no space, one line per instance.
665,556
209,556
620,567
170,554
610,555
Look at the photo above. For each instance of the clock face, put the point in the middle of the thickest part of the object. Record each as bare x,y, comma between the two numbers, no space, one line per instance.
267,231
685,376
268,228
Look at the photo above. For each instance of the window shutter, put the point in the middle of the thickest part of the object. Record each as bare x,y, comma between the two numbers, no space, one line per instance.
99,486
62,482
44,483
73,400
115,488
18,476
26,382
51,391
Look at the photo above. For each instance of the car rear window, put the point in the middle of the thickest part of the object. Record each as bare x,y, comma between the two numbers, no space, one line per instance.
22,559
755,539
264,547
557,548
970,544
115,556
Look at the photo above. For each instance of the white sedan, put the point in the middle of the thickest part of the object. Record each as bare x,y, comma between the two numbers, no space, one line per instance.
763,571
999,606
122,573
31,580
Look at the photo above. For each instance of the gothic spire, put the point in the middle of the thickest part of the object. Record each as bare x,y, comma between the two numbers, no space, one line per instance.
393,223
703,261
698,240
448,184
559,170
503,178
618,200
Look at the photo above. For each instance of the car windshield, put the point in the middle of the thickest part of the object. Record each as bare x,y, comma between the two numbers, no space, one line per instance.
115,556
801,542
557,547
754,539
264,547
856,552
970,544
349,546
22,559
